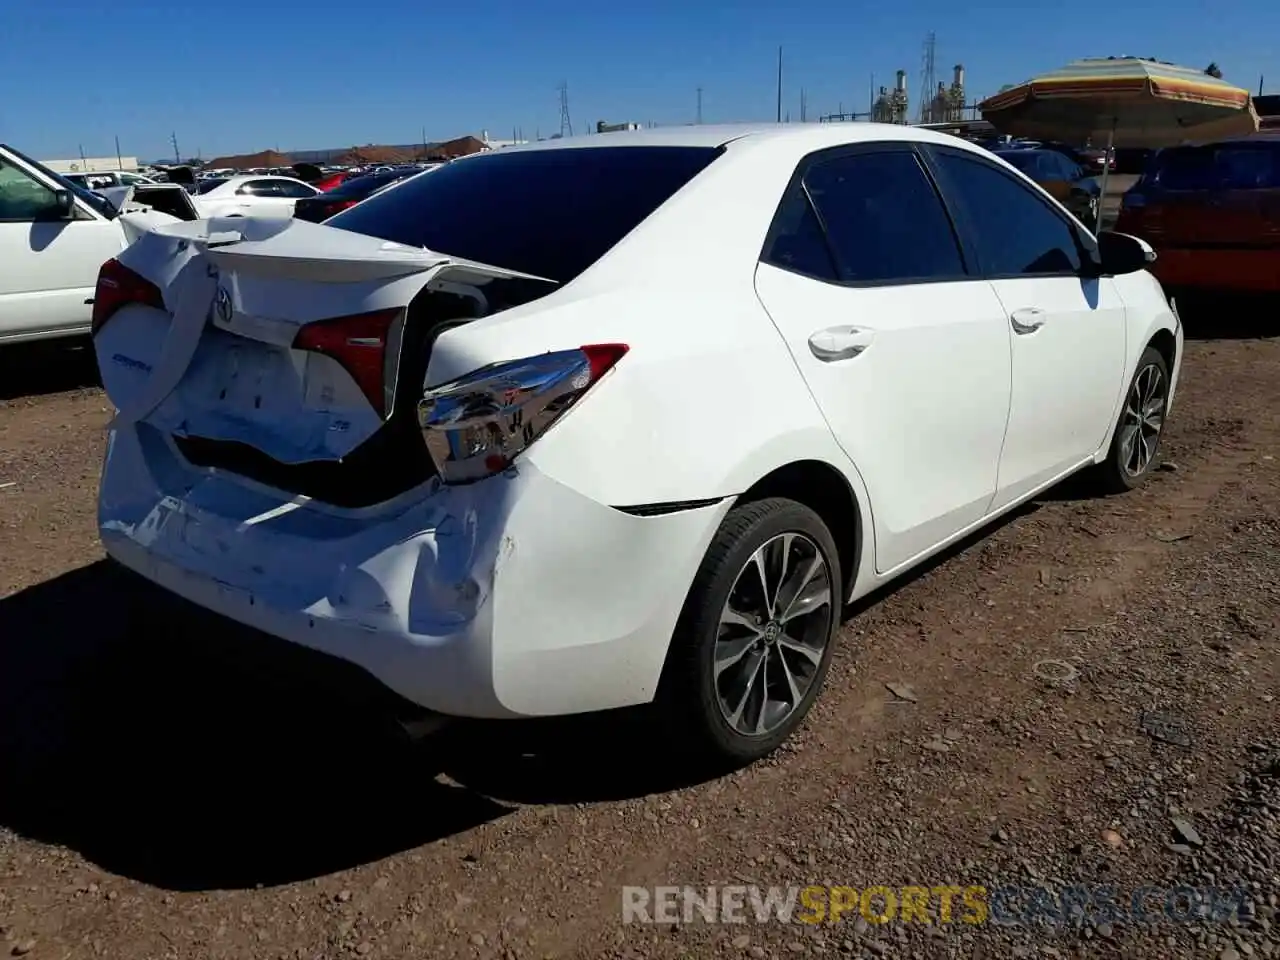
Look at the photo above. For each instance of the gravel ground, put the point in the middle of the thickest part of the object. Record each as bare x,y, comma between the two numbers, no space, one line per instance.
1085,695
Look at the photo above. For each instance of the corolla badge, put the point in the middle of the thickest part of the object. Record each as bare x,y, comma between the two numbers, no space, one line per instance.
222,304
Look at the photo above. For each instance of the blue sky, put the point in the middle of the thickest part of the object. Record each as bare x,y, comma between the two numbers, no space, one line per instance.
230,80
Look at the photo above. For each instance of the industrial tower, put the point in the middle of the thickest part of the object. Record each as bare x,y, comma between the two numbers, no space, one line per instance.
928,77
566,125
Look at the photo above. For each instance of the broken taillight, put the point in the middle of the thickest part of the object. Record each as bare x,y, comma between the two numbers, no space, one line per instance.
477,425
363,346
117,287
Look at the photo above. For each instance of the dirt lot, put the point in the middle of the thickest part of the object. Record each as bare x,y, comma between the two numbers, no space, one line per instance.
171,786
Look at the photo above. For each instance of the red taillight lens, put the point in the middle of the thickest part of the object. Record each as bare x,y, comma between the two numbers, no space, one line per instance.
360,344
118,286
477,425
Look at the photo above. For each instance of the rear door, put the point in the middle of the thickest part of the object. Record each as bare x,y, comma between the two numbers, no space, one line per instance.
1067,332
906,351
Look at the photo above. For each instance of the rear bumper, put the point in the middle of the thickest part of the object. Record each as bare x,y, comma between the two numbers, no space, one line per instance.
512,597
1244,270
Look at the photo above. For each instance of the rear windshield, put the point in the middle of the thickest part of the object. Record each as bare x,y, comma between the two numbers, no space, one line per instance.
1223,167
213,183
551,213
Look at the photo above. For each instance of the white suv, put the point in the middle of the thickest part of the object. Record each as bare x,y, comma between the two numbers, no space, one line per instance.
622,419
55,235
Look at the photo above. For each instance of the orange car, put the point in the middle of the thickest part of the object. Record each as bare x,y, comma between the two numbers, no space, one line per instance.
1212,212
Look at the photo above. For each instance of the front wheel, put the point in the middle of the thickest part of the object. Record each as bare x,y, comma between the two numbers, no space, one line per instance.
1136,442
754,641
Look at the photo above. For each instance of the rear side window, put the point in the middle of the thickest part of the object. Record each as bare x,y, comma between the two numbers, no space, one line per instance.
1016,232
363,186
884,219
259,188
551,213
295,190
1223,167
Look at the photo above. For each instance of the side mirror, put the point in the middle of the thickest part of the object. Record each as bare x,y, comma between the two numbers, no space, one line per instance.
64,204
1120,253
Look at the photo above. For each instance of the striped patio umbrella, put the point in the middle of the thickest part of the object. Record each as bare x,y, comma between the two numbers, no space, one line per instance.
1124,102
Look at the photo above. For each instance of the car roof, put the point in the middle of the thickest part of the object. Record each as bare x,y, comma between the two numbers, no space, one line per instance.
242,177
804,136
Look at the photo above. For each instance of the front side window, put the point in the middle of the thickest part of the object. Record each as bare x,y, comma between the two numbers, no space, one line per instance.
884,219
23,198
1016,232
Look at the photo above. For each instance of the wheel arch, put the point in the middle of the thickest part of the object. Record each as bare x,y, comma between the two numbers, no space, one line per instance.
825,490
1164,341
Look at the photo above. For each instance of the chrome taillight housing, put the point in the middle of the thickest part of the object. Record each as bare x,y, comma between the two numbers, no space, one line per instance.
476,425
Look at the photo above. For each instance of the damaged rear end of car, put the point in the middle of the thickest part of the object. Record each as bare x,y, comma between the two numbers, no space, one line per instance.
309,441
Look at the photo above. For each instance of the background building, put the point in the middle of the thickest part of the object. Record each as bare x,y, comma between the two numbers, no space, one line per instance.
92,164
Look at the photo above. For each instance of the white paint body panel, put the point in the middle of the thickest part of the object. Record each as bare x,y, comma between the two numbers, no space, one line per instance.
530,593
921,409
1068,377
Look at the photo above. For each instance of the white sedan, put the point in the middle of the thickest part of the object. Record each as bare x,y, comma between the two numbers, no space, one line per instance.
250,196
619,420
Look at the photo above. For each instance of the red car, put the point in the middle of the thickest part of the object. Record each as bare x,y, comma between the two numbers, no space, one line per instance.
1212,213
332,180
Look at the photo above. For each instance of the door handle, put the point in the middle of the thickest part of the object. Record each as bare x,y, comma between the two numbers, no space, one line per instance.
839,343
1027,320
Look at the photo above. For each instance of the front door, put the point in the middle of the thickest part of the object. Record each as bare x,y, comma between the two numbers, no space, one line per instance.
906,354
48,260
1066,331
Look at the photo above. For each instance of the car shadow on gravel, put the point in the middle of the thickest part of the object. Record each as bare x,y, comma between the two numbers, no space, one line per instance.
47,366
185,752
1222,315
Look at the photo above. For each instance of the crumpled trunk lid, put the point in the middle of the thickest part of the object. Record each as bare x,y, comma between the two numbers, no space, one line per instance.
239,291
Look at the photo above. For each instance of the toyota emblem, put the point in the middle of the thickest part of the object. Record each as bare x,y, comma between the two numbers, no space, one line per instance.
222,303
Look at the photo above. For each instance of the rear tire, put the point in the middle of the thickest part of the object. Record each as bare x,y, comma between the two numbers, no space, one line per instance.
754,641
1135,445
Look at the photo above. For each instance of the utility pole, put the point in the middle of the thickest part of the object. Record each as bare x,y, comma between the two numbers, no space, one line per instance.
779,84
1261,77
119,160
566,125
804,106
699,120
81,152
173,138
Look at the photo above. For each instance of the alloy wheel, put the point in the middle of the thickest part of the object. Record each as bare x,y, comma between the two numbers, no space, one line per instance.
773,634
1143,420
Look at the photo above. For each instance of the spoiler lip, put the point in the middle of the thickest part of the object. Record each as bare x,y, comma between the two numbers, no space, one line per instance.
302,250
